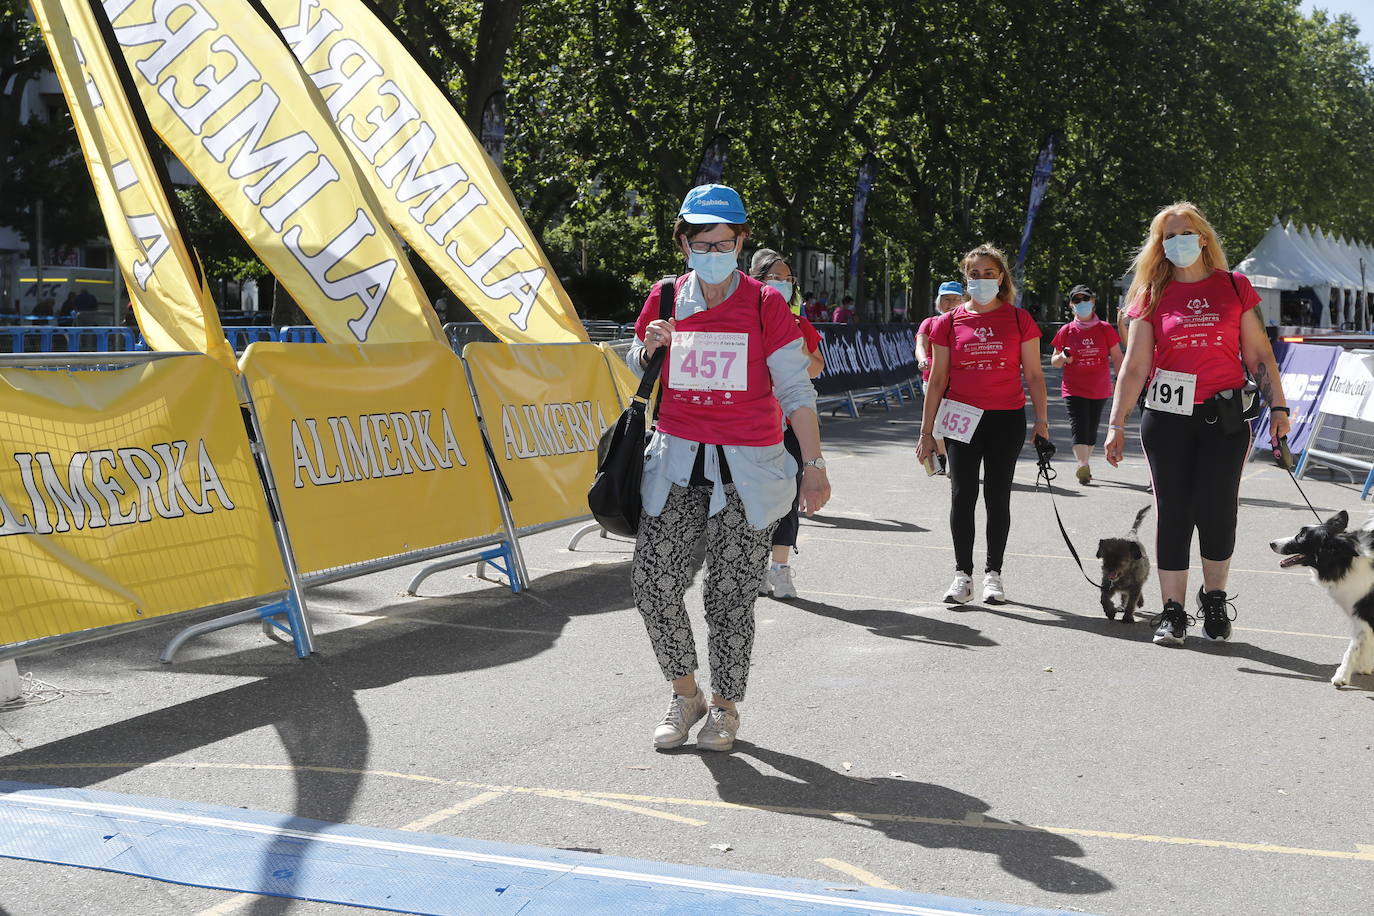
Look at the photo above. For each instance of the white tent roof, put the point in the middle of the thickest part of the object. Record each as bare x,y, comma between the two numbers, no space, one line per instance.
1349,270
1278,262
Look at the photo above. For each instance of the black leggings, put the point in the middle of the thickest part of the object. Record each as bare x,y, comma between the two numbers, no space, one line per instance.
785,535
1196,472
1085,415
996,444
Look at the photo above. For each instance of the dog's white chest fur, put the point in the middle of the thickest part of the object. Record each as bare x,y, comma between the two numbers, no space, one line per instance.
1347,591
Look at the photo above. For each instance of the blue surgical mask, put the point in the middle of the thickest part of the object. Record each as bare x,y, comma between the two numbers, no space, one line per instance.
1183,250
784,287
1083,310
712,266
983,291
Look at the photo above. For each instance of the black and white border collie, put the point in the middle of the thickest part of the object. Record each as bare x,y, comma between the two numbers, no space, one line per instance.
1341,560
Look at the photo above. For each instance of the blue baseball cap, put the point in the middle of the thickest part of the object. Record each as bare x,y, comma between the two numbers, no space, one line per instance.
951,288
712,203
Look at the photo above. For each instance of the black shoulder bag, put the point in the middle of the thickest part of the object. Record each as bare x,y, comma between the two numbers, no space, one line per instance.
614,496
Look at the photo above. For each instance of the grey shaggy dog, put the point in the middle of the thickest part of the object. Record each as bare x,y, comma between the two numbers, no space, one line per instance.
1125,569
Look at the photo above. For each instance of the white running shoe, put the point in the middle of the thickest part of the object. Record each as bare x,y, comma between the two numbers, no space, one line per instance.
961,590
718,734
779,582
683,713
993,593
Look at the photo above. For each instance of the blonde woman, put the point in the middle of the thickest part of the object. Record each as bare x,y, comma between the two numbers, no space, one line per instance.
1194,333
983,349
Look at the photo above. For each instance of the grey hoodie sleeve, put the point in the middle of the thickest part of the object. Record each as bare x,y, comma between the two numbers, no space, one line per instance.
791,383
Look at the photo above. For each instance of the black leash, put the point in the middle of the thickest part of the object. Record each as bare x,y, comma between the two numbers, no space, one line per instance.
1044,451
1285,460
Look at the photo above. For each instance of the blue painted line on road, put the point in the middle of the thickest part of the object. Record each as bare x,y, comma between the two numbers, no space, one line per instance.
280,855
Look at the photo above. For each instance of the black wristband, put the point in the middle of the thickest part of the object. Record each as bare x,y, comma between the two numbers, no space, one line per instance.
1284,409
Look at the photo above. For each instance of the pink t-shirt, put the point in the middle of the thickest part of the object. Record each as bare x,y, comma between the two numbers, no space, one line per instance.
810,335
749,417
1090,345
1197,330
985,354
925,327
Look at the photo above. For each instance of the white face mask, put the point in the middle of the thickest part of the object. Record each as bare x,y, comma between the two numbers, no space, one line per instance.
984,291
784,287
1183,250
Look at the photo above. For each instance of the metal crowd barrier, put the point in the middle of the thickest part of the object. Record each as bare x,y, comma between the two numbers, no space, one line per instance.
241,336
288,604
46,339
1341,444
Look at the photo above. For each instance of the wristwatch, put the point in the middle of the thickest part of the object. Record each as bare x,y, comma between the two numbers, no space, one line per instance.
817,463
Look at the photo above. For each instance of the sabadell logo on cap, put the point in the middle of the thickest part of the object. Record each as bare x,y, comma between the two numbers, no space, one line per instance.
715,202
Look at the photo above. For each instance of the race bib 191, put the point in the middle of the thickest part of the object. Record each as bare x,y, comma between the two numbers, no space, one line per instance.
709,361
957,421
1171,392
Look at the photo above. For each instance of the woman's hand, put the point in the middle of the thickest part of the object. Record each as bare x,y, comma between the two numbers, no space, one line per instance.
815,490
1115,446
1039,428
1279,425
925,447
659,333
923,364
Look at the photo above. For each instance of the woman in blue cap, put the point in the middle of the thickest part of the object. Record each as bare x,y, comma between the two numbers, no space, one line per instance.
716,465
951,293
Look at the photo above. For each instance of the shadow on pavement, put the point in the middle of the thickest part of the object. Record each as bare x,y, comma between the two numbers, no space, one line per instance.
900,625
312,703
812,790
862,524
1140,632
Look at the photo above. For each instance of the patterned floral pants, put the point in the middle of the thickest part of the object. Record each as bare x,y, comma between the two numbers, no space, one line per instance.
736,559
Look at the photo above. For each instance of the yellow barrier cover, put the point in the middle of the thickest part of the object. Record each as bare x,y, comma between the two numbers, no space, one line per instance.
124,495
375,449
546,406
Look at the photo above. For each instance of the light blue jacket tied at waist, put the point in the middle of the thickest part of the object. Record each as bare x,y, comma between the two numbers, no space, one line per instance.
765,476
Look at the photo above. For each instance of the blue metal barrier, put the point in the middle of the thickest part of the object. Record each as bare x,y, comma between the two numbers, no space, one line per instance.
299,333
61,339
240,337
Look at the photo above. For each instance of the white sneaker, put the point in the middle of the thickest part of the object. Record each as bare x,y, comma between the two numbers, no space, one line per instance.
993,593
718,734
779,581
683,713
961,591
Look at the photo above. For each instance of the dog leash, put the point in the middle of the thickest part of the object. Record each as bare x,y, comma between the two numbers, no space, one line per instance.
1044,451
1284,457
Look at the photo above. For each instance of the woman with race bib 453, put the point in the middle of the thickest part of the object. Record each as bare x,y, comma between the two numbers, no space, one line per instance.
1194,333
982,351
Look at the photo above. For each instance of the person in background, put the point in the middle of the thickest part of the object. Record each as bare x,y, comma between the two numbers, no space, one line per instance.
1083,348
1194,334
809,306
716,466
950,294
983,350
770,267
822,309
845,312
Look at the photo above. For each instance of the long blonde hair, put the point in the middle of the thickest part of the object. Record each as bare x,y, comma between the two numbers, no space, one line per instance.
1006,291
1153,271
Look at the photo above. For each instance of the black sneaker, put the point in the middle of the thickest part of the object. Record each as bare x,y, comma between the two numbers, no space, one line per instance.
1171,624
1216,619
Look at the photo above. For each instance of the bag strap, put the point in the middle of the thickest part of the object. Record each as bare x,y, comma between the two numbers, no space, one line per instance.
666,296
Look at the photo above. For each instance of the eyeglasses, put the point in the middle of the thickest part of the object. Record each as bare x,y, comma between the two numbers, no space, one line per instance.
780,278
707,247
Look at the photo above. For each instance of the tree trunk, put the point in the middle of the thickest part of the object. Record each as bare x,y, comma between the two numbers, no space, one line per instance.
495,32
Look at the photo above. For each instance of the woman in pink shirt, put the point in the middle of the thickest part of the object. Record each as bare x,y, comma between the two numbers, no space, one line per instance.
1083,348
950,294
1194,334
983,350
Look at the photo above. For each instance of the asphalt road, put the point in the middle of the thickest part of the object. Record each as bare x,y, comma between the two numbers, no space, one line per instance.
1034,753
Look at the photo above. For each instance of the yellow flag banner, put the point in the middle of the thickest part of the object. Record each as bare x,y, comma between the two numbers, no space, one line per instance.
375,449
125,495
171,300
435,182
545,407
232,104
626,382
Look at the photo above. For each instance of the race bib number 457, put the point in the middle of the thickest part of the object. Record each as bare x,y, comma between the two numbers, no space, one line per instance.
709,361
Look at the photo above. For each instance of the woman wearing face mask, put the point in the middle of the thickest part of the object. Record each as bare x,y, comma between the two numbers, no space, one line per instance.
1083,348
950,294
983,350
769,266
1194,333
735,366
